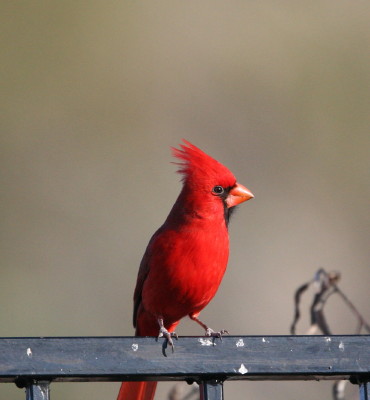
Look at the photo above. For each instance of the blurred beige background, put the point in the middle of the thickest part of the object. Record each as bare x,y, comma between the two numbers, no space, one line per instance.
94,94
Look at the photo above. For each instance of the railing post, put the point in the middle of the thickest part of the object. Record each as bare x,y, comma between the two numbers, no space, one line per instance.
365,391
211,390
38,390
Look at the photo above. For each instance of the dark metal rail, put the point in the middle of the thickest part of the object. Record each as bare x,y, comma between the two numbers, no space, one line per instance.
35,362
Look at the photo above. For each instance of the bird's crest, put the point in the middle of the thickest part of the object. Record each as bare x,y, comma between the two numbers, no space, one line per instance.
196,165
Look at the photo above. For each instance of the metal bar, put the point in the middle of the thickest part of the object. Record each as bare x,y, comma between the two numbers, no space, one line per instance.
38,391
365,391
84,359
211,390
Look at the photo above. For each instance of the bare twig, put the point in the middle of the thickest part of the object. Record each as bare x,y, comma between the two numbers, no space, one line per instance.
325,285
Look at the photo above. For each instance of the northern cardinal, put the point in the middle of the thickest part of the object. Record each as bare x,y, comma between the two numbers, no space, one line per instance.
186,258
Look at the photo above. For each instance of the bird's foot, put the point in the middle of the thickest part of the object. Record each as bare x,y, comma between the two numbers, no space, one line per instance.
211,333
163,332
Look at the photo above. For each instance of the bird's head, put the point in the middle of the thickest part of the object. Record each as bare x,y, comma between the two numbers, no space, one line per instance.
207,183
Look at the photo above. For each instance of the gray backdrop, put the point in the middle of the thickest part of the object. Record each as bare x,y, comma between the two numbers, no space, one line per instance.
94,94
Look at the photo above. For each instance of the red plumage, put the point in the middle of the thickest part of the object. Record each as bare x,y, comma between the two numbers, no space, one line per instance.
187,256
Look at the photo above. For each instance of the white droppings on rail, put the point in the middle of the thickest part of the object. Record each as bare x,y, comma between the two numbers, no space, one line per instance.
240,343
341,346
265,340
328,339
135,346
29,352
243,370
206,342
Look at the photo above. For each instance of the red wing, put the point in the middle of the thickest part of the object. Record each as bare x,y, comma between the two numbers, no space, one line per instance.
142,275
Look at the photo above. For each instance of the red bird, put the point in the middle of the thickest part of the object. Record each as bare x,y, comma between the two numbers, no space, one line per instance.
187,256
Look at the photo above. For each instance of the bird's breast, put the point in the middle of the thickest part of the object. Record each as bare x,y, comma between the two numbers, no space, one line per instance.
186,269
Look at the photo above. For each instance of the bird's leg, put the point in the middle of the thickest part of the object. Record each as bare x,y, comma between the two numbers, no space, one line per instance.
209,331
163,332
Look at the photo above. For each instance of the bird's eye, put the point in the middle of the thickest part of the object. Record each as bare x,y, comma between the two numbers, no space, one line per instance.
218,190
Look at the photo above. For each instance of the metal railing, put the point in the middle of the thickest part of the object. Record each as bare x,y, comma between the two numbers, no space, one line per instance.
34,363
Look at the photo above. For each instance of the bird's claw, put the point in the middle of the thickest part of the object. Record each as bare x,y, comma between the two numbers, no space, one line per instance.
211,333
163,332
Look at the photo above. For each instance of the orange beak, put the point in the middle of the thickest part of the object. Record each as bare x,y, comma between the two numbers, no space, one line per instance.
238,194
